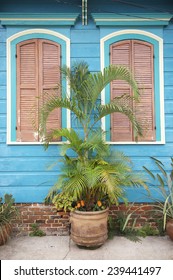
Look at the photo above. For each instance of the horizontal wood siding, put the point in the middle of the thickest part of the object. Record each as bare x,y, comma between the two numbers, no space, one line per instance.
85,45
2,88
168,79
24,169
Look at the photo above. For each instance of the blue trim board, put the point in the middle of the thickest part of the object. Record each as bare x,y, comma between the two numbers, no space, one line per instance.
131,19
38,19
156,76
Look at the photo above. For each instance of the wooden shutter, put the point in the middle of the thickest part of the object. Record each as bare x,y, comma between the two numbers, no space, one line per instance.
121,128
50,78
143,72
27,90
38,63
138,57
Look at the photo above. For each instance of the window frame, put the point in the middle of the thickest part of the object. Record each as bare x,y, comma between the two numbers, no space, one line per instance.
11,77
158,76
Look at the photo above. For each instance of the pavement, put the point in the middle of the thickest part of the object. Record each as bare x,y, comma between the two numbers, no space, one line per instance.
63,248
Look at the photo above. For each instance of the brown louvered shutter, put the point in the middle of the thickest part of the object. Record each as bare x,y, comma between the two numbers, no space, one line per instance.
27,90
38,74
49,68
121,128
138,57
143,72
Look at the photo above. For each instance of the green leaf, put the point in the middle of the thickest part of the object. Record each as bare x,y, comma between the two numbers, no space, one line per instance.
149,172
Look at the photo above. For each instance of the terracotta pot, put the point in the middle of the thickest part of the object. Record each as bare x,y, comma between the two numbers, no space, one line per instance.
169,228
5,231
89,229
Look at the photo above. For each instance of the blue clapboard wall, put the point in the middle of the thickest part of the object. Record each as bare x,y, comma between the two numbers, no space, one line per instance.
24,169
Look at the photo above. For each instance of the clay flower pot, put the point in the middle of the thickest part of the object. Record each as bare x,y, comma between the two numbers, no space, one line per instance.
89,229
169,228
5,232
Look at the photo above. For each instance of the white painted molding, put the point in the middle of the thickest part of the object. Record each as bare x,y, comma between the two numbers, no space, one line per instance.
161,75
9,89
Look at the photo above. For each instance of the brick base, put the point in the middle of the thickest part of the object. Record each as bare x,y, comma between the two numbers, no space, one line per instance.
51,221
54,222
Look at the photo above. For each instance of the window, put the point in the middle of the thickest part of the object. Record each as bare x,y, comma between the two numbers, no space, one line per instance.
33,60
137,56
142,52
38,73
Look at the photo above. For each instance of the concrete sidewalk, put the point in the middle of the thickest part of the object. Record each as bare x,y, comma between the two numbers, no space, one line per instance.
62,248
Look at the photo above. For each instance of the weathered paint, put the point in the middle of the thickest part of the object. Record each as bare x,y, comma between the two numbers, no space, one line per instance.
24,168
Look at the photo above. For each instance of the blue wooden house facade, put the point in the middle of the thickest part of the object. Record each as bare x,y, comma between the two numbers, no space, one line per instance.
35,34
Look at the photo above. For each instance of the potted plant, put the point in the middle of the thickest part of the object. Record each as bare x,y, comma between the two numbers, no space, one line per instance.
7,212
164,189
92,174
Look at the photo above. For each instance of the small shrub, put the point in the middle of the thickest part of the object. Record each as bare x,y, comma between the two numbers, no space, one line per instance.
36,231
63,201
125,224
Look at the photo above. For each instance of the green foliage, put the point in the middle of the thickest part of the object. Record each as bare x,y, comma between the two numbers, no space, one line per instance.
164,187
120,226
36,231
63,201
116,225
97,179
93,172
7,209
149,230
86,90
8,212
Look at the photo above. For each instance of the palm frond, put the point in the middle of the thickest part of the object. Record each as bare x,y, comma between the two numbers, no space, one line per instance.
149,172
76,75
95,83
53,103
74,140
122,104
96,144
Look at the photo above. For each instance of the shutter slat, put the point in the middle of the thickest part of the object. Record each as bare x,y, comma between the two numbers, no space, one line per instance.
50,63
143,66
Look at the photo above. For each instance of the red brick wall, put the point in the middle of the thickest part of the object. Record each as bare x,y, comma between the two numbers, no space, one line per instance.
51,221
143,213
54,222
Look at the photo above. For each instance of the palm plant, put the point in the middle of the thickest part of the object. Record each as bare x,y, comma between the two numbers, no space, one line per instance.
8,212
93,175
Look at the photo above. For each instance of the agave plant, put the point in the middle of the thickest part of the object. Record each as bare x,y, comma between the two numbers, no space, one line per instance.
164,188
93,175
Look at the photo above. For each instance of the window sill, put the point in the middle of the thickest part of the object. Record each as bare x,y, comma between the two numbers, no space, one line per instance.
137,143
33,143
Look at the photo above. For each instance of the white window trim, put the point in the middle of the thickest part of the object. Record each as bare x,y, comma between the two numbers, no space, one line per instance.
9,89
161,74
